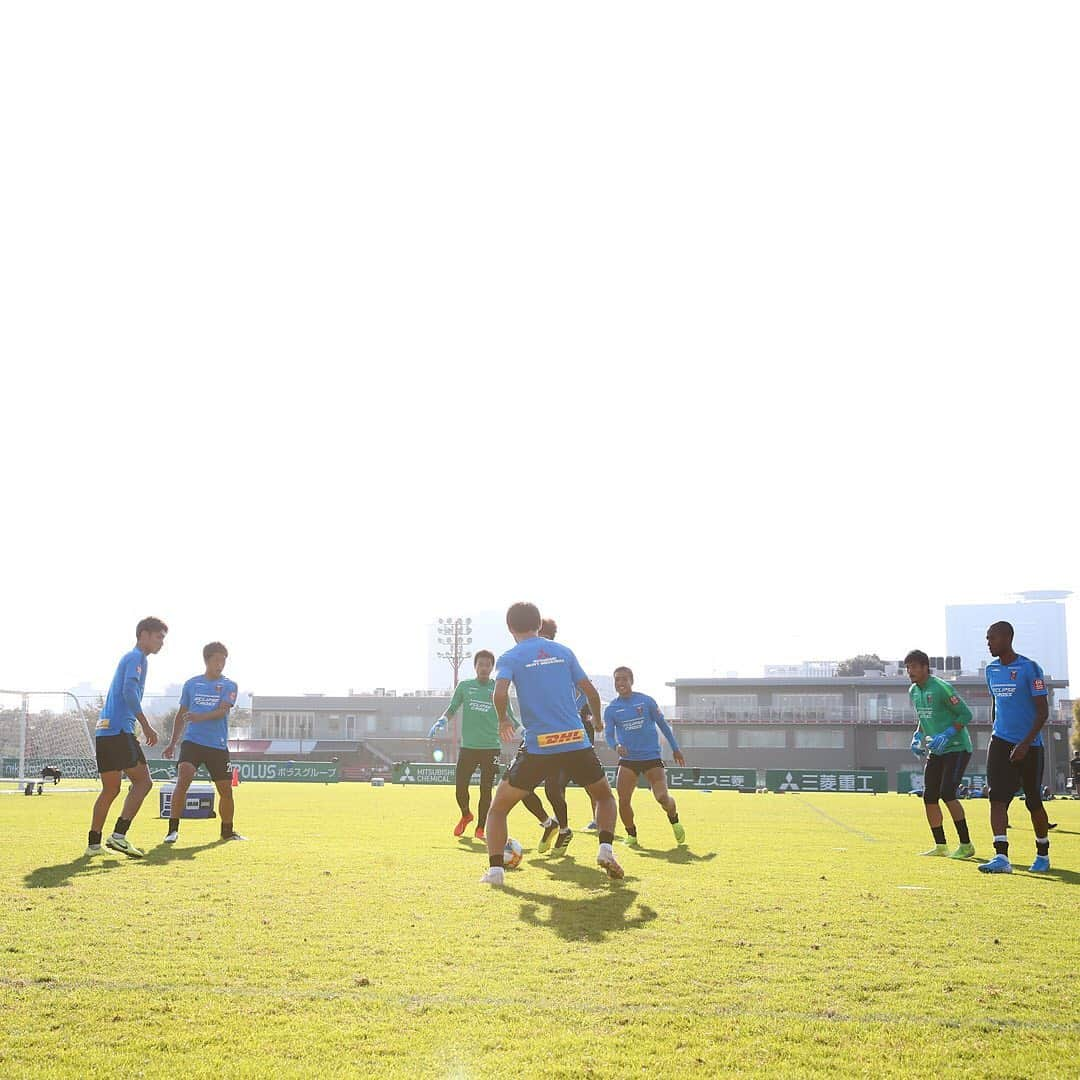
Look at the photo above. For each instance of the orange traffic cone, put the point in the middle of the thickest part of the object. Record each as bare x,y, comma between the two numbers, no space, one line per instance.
236,776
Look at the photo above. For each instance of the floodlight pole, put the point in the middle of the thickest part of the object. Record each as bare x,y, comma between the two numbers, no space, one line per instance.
455,633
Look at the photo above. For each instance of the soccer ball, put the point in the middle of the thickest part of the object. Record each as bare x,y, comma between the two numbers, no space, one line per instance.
438,755
512,854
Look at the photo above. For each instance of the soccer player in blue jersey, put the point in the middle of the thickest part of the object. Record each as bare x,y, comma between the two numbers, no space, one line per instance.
116,748
203,717
632,726
547,676
556,783
1014,759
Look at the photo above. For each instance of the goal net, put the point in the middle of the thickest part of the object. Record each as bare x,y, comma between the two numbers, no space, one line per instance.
44,732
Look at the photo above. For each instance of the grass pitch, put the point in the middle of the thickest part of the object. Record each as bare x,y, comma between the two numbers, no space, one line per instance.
795,935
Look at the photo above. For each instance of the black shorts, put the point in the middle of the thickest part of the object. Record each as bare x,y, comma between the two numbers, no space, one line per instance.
528,770
469,760
942,775
216,761
640,767
115,753
1005,778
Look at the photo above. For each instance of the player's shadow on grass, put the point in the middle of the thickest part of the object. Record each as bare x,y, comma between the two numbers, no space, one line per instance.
167,853
675,855
60,875
1069,877
592,918
587,875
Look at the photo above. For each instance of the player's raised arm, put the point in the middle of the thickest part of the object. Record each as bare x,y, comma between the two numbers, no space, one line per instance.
609,728
133,700
592,696
1037,690
665,729
177,728
501,701
455,704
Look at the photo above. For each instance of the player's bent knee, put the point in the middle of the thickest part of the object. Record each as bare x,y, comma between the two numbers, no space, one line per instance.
1033,803
929,798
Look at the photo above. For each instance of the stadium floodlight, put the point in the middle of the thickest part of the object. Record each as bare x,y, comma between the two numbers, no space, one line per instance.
454,633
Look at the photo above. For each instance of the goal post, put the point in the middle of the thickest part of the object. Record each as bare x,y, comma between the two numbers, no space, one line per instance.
45,729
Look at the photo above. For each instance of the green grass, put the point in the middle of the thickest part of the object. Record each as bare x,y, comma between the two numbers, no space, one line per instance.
795,936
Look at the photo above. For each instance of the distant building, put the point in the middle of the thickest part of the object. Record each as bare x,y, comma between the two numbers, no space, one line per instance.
842,722
807,669
1038,619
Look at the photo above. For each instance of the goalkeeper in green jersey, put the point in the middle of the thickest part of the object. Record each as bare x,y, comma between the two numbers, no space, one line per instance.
480,746
942,737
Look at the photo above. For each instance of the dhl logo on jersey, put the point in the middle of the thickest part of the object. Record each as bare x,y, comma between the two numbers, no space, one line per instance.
558,738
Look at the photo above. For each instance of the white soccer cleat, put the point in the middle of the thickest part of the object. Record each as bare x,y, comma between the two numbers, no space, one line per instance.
171,838
605,858
93,849
495,875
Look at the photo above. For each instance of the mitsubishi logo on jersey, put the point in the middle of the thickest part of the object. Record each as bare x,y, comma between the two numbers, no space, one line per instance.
542,655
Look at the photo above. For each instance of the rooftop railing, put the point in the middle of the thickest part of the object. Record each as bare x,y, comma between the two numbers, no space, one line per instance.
838,714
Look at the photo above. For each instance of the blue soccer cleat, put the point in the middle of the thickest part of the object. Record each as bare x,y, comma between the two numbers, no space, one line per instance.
1040,865
999,864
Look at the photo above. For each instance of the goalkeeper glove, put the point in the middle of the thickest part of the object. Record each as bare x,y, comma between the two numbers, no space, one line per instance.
916,744
938,742
439,725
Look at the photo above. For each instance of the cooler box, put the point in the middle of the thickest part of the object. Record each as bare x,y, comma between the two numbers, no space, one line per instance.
199,802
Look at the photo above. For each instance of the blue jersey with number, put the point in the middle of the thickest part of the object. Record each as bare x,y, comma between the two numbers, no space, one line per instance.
124,700
635,723
203,695
1014,688
545,675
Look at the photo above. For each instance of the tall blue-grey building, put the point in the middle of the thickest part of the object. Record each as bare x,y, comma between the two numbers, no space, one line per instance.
1038,617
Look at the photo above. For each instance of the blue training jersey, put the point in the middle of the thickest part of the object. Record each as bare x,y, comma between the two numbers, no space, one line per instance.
203,695
635,722
1014,688
124,700
545,675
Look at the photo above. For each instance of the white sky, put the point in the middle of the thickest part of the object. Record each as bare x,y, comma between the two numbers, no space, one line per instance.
728,334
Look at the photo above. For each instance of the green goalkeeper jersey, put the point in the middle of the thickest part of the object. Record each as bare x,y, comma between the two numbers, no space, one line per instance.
938,706
479,721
